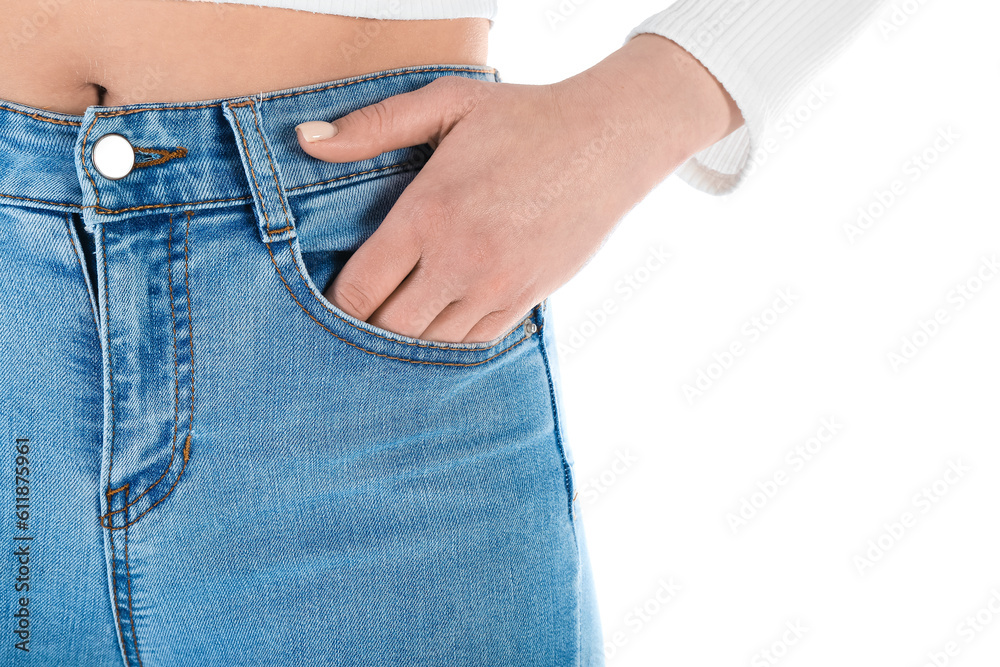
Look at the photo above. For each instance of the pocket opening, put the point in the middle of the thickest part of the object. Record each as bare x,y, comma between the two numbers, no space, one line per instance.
307,297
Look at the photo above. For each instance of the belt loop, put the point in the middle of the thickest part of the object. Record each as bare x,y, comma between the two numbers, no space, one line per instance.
274,215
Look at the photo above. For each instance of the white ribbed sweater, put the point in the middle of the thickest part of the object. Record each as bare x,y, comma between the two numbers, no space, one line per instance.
762,51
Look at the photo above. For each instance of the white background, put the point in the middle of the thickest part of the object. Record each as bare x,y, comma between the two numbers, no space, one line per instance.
660,512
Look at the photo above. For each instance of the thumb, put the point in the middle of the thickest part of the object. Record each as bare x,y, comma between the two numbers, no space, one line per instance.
422,116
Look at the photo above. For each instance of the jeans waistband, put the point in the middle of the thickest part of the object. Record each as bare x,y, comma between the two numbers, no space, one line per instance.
194,155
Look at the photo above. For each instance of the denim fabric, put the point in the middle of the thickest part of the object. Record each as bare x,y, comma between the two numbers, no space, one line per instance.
205,462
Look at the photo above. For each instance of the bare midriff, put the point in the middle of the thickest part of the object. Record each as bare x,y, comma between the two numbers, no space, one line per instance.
66,55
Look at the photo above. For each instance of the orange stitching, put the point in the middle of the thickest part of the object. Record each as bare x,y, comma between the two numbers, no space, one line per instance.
111,461
165,156
263,207
120,488
128,582
108,114
274,171
187,288
41,118
340,178
187,455
392,340
126,112
187,441
377,354
382,76
69,231
83,161
173,323
107,211
278,231
42,201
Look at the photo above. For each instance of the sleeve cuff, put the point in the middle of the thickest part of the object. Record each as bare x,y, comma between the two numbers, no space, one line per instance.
764,54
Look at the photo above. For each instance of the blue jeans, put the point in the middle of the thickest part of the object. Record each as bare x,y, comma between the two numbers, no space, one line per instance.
205,462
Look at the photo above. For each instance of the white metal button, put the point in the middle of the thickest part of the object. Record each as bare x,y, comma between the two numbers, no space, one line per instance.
114,156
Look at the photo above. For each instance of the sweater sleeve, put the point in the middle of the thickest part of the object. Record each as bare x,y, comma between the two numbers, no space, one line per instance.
764,52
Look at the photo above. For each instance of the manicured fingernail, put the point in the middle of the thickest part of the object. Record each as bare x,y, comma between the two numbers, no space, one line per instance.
316,130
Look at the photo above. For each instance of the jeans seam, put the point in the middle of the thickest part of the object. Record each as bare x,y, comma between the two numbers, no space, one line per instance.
173,323
568,482
274,171
43,201
346,176
253,175
114,584
111,384
128,584
54,121
83,161
187,441
107,211
557,427
187,291
262,98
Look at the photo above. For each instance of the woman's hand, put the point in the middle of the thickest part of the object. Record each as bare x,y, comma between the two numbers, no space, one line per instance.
524,185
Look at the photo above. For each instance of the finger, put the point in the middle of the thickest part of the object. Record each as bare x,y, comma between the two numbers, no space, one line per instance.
422,116
376,269
454,322
493,325
417,302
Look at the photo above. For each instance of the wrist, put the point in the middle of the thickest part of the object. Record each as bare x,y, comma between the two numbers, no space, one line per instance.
675,105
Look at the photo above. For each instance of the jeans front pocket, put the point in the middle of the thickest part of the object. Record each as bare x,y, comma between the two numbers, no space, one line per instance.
330,227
